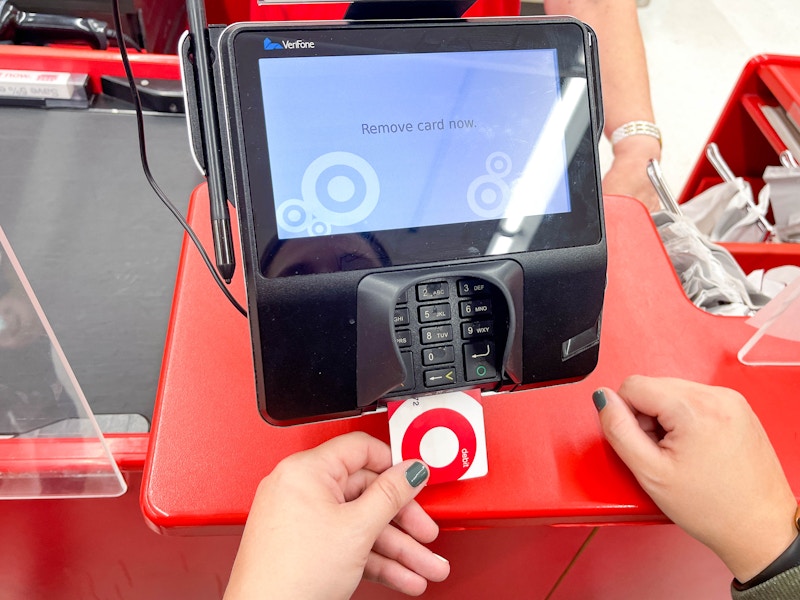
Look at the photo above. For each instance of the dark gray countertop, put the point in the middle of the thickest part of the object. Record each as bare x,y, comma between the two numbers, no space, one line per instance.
97,245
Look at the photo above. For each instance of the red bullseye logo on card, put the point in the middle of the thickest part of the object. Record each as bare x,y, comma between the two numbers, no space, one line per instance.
446,431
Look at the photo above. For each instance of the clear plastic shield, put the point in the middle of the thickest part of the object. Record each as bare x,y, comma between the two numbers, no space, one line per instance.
50,443
777,339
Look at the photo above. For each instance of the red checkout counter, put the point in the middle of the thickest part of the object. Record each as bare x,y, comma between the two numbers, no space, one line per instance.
557,517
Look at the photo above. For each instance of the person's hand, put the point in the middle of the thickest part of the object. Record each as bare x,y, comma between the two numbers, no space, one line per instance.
322,518
704,458
627,175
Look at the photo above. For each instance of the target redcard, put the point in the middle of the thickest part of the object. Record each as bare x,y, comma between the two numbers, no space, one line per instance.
446,431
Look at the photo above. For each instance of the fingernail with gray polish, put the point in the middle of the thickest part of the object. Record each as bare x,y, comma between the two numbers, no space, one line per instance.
599,398
416,474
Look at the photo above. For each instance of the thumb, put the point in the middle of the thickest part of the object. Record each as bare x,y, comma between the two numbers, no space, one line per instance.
390,492
625,434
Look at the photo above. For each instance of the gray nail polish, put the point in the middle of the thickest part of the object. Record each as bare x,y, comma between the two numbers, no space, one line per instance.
416,474
599,398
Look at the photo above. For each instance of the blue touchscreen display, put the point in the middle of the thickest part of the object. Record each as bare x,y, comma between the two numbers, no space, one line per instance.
366,143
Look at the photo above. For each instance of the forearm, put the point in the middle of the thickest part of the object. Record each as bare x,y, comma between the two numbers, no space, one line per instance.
623,66
626,90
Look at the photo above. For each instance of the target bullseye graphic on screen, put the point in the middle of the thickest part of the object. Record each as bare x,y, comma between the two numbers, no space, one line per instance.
338,189
488,195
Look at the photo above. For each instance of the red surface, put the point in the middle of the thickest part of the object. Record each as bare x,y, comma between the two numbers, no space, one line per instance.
784,82
101,548
764,256
658,562
91,549
548,462
45,455
93,62
519,562
743,135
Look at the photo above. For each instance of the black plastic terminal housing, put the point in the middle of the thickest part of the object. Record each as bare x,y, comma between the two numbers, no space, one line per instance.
342,320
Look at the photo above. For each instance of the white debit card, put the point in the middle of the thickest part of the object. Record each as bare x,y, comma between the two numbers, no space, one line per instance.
446,431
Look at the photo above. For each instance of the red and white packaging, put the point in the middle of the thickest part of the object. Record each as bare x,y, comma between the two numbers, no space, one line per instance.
446,431
36,84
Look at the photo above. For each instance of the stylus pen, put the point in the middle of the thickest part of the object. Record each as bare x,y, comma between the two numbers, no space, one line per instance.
220,217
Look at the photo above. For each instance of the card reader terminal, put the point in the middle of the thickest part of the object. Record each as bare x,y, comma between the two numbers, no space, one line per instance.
419,206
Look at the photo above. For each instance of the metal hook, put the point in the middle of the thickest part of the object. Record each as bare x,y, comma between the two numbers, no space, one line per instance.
659,183
720,166
788,160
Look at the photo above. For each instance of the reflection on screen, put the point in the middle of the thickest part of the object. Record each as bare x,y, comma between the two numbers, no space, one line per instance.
394,141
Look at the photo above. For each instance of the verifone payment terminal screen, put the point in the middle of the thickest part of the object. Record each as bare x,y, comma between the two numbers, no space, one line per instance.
379,142
420,143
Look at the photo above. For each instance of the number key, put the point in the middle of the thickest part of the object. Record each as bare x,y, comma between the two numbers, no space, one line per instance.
434,312
436,335
475,308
